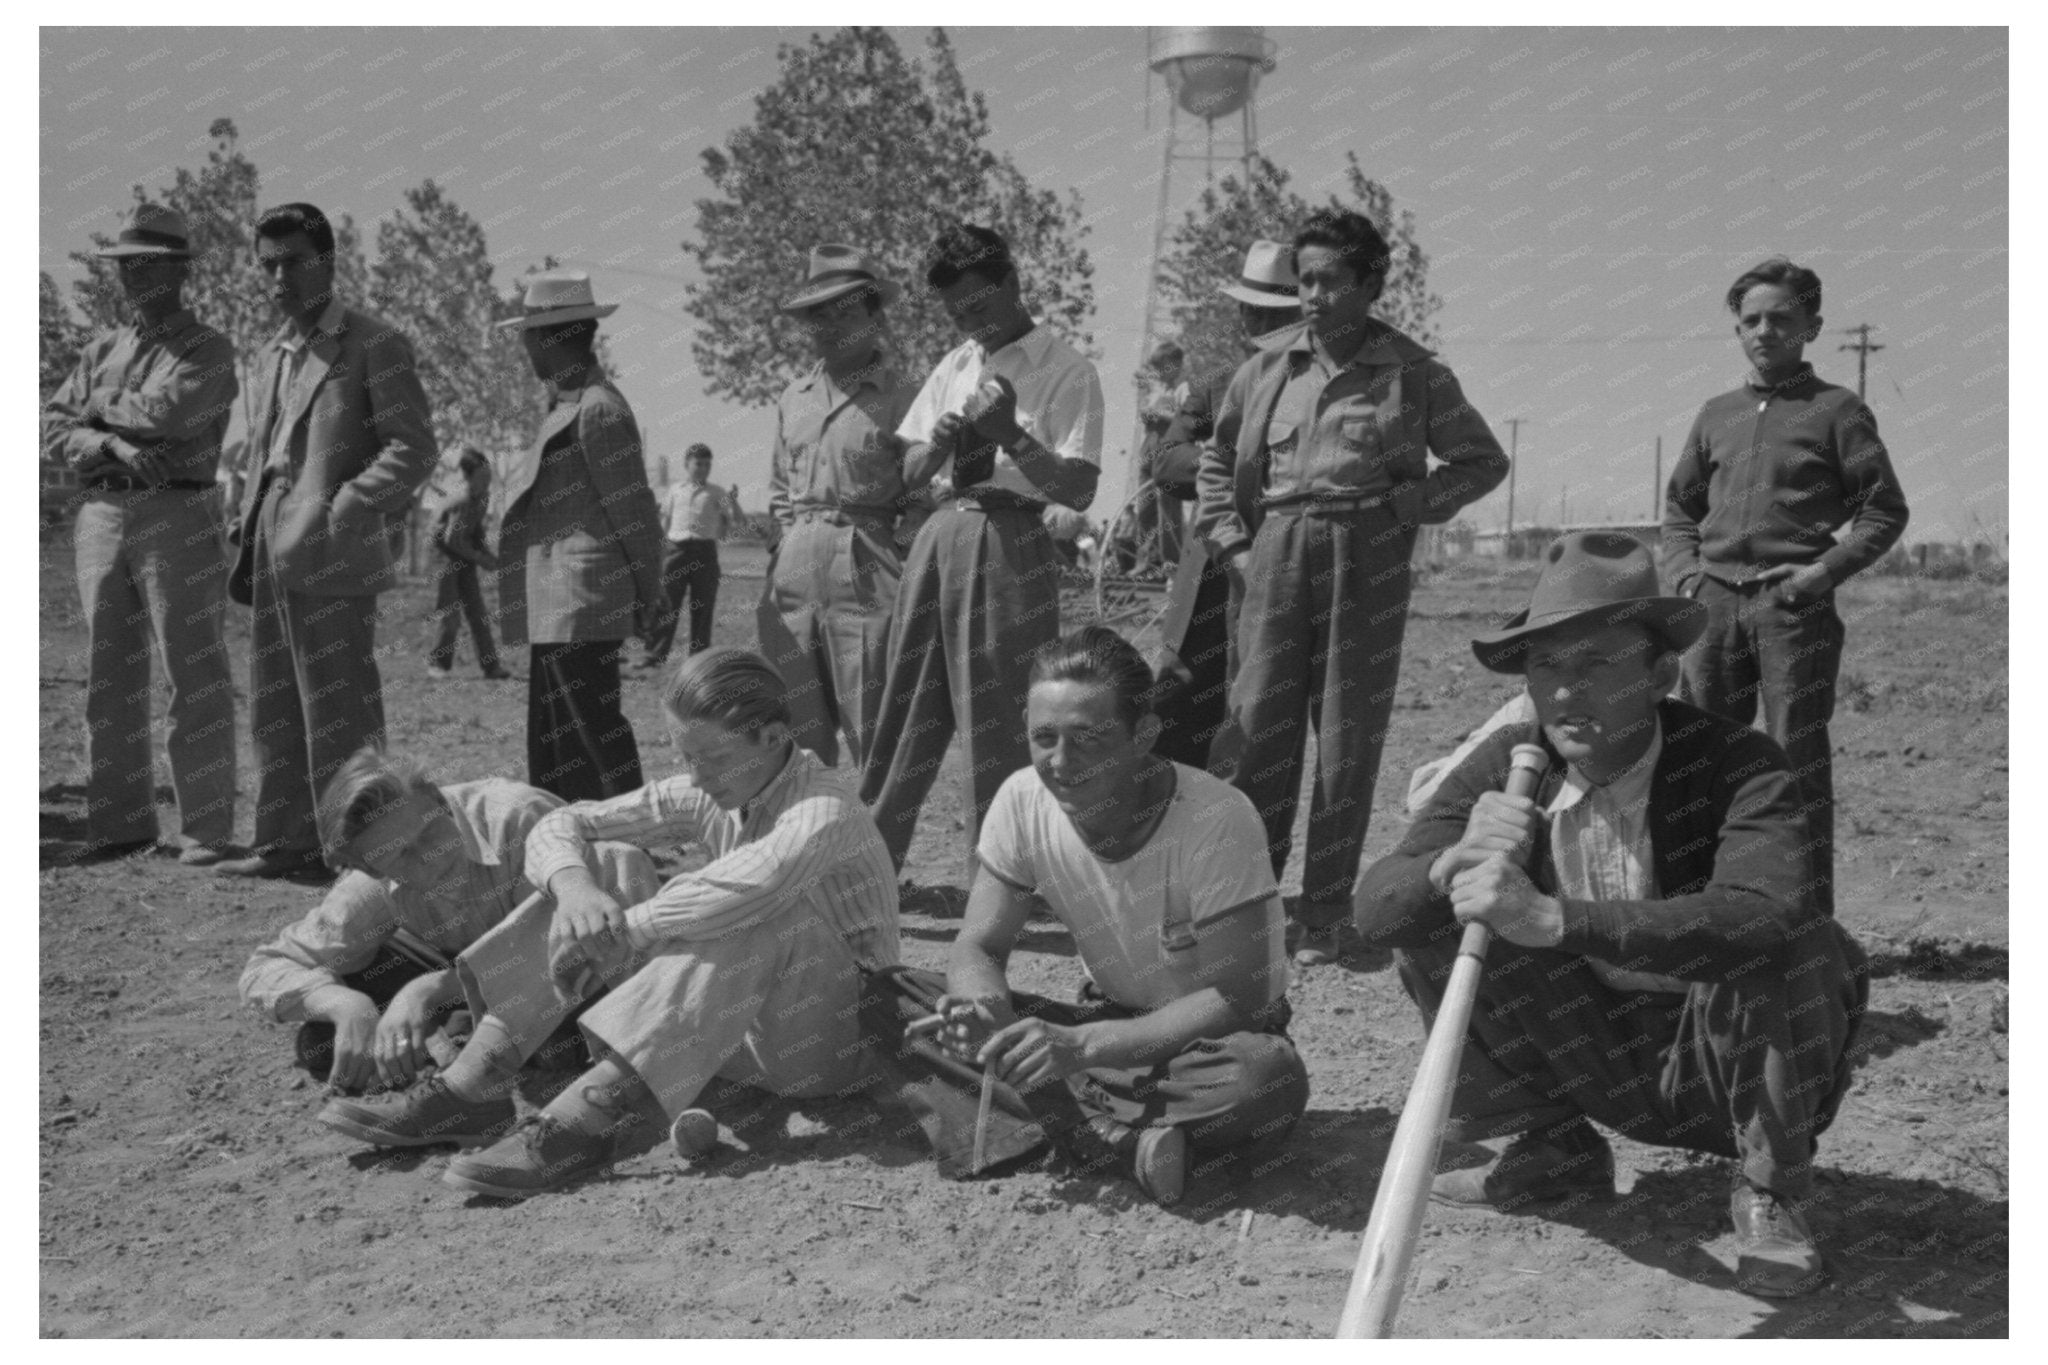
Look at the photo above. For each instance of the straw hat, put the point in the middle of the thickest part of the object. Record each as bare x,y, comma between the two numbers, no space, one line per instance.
151,230
1268,280
835,271
558,296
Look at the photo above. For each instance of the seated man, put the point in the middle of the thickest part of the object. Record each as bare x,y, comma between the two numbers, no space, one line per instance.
1159,872
746,968
1662,966
429,870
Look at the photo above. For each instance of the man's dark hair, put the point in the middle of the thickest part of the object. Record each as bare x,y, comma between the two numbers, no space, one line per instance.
1099,656
697,451
964,249
286,219
1802,283
1353,237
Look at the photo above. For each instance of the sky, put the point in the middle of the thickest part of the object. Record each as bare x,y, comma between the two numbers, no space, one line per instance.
1585,196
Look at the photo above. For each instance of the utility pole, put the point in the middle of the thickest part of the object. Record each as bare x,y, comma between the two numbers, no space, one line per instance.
1514,444
1657,485
1862,346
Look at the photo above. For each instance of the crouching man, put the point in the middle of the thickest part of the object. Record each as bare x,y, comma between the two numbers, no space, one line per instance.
747,968
1662,966
1159,872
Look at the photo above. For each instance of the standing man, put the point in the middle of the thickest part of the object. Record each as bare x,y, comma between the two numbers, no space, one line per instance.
835,491
1012,418
1312,489
1767,475
459,542
1267,301
1160,516
338,445
696,514
140,420
579,565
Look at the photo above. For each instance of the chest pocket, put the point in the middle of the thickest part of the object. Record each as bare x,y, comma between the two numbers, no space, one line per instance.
1176,923
1360,436
1280,436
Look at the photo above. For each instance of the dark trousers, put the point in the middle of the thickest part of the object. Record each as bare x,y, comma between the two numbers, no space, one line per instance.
1319,643
1758,649
458,596
689,568
579,745
1753,1069
1190,720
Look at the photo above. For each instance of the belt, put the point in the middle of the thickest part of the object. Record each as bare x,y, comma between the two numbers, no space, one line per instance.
128,483
844,514
999,500
1335,505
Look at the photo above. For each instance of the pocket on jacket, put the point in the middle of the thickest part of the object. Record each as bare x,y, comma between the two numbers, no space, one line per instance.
1280,435
1360,435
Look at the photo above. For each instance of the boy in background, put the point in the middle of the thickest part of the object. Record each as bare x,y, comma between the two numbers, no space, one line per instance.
458,536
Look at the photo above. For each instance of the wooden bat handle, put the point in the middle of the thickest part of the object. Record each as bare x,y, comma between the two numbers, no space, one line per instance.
1390,1233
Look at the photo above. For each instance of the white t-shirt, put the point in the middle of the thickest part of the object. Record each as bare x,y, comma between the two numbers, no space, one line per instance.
1059,401
1136,922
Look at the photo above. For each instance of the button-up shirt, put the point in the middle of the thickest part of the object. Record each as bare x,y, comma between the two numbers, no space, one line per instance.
163,392
804,845
361,912
1324,435
837,448
1767,475
1059,401
696,511
292,348
1600,850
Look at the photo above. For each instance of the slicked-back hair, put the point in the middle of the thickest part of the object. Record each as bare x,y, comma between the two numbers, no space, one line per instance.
965,249
1801,283
1099,656
369,783
733,688
286,219
1352,236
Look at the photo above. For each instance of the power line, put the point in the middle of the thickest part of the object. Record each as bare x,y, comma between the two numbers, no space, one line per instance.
1862,346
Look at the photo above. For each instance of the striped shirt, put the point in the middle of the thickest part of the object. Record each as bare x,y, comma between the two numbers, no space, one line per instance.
804,845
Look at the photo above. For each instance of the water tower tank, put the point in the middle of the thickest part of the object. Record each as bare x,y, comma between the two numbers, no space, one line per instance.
1211,72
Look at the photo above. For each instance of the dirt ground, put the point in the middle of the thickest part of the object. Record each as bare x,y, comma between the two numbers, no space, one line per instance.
185,1190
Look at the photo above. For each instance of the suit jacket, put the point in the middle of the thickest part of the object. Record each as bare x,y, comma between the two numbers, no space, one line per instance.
361,446
579,551
1420,409
1728,844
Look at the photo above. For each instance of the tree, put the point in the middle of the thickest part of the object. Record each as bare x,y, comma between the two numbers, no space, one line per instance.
433,280
59,336
856,144
1206,252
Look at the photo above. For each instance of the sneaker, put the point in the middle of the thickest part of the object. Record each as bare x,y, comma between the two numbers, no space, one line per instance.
1775,1255
694,1134
201,855
440,672
297,864
542,1154
1568,1162
428,1114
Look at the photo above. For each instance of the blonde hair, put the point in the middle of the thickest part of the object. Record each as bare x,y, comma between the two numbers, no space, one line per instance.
369,783
735,688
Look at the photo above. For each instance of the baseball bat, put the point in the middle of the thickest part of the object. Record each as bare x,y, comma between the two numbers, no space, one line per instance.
1390,1234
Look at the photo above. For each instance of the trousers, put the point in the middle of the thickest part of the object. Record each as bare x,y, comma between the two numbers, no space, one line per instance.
689,568
579,744
458,596
151,577
1319,643
834,588
1189,723
1753,1069
1758,650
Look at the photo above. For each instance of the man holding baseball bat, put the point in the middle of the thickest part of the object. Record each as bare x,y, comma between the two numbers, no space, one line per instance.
1661,963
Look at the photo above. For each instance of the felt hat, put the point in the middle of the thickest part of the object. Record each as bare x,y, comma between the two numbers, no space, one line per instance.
1268,280
1592,579
151,230
557,296
836,270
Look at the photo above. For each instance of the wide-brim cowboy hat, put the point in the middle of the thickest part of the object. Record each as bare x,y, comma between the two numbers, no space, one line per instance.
151,230
557,296
1267,280
1592,579
836,270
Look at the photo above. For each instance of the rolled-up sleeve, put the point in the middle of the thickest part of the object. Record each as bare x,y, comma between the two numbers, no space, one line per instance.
671,811
752,883
340,936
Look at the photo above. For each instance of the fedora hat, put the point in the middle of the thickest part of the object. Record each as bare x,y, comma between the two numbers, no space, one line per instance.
557,296
1592,579
1268,280
836,270
151,230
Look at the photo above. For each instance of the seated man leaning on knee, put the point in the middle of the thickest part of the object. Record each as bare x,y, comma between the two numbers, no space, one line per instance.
428,870
748,968
1661,966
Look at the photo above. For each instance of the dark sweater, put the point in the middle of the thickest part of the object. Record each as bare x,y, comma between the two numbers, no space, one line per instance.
1727,839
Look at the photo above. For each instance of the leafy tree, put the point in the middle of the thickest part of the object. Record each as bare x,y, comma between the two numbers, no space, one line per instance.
59,336
433,280
1206,252
857,144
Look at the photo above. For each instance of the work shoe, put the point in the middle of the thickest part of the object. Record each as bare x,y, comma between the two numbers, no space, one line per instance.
496,673
441,672
1570,1161
1774,1251
1160,1164
1321,947
1155,1159
296,864
694,1134
428,1114
542,1154
87,852
202,855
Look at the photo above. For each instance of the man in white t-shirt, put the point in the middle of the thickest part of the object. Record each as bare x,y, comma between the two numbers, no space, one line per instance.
1009,420
1179,1039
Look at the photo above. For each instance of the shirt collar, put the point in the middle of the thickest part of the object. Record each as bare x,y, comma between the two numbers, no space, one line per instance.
770,796
328,323
1629,788
1033,344
464,801
176,322
1802,375
878,375
1377,349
